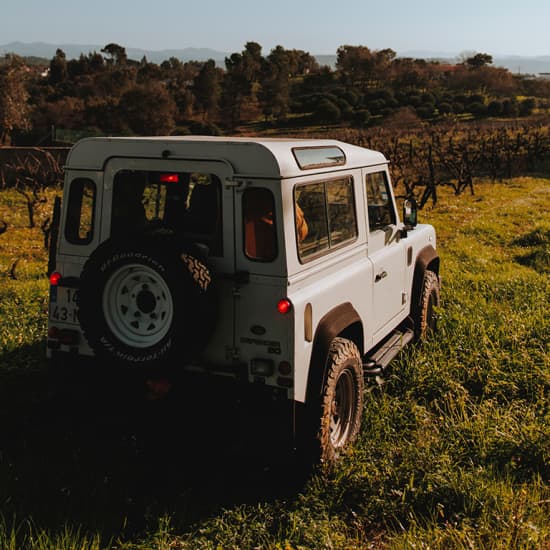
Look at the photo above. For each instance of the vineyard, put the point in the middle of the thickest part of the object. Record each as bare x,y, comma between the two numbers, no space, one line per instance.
422,159
425,159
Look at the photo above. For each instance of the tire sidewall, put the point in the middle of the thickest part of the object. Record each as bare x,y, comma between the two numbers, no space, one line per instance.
344,358
426,321
181,338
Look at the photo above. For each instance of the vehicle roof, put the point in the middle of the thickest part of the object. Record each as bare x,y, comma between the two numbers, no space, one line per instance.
251,157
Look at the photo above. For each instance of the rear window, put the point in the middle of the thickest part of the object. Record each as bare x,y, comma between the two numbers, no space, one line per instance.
325,216
185,203
79,226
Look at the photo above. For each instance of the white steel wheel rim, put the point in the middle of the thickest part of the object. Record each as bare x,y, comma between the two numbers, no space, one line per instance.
341,415
138,306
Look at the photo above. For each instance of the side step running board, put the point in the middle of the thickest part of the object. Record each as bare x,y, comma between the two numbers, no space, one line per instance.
375,364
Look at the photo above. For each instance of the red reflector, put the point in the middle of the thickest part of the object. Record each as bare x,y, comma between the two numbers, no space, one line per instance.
285,368
53,332
284,306
55,277
68,337
169,178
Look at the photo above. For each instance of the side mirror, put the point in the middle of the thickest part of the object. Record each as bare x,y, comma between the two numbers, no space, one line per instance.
410,213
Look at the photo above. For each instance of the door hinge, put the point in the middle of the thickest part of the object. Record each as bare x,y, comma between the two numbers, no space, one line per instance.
404,298
238,185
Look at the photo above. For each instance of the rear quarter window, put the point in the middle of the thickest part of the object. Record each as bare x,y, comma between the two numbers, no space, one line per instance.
79,225
260,235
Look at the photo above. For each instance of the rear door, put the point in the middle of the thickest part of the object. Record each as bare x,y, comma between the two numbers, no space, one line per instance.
201,205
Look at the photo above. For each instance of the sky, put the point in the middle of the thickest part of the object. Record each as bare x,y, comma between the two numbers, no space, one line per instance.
497,27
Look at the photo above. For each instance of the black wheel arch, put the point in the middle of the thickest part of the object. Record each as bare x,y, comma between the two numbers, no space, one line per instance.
427,260
344,321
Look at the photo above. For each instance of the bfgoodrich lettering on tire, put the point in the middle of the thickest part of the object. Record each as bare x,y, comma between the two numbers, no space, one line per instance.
341,400
146,303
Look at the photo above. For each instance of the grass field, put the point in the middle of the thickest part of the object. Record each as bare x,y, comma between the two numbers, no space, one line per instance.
454,452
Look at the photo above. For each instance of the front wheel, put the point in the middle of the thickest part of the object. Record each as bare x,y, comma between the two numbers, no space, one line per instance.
342,399
426,317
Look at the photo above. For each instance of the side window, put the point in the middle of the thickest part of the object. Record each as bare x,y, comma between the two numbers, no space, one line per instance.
260,237
325,216
311,216
379,201
341,211
79,227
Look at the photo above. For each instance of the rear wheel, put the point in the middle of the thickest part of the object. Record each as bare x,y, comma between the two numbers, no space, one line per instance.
342,399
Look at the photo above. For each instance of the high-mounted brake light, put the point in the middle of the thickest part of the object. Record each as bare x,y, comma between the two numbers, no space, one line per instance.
284,306
169,178
55,277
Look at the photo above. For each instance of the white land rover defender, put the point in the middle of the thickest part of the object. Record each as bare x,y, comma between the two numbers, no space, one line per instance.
281,263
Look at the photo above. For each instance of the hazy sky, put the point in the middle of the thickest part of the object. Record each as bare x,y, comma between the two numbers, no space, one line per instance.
319,26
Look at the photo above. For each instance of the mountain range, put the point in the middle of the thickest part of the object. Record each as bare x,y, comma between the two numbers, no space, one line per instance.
514,63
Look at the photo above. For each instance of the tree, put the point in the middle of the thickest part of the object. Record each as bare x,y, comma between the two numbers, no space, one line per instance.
274,93
301,63
236,87
479,60
327,111
495,108
148,109
252,61
14,107
178,78
207,88
526,106
148,72
58,67
117,53
355,64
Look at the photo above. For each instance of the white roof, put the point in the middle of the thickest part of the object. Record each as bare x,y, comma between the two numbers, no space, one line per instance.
251,157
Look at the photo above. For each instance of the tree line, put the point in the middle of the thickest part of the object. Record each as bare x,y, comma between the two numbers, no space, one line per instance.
107,93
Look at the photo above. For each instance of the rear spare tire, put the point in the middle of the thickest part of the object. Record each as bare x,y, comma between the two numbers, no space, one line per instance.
146,303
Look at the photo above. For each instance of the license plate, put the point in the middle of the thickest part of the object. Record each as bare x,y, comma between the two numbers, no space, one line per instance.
63,305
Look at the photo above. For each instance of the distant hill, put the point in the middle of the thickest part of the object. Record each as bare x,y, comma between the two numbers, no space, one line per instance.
515,64
72,51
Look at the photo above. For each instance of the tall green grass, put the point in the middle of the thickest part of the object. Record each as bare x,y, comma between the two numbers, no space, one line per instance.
455,446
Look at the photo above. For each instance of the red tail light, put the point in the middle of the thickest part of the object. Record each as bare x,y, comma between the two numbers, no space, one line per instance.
284,306
55,277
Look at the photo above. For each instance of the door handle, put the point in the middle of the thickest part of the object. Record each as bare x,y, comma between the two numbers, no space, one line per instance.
380,276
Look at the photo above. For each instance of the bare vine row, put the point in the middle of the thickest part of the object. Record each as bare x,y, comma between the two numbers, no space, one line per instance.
421,160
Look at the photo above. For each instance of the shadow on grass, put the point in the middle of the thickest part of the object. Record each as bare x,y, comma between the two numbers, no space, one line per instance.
97,453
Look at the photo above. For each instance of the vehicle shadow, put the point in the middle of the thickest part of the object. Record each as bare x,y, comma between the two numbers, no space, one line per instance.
95,450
